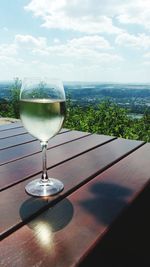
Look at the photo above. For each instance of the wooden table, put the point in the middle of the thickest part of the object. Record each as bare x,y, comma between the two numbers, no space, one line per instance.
102,177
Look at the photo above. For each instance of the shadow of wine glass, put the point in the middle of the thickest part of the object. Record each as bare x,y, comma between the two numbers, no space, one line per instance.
55,218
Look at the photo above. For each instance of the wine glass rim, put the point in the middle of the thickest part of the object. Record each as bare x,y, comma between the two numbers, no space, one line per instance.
30,81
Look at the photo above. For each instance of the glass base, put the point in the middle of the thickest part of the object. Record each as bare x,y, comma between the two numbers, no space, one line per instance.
42,189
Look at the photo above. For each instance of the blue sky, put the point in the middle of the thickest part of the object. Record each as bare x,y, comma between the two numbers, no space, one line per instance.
74,40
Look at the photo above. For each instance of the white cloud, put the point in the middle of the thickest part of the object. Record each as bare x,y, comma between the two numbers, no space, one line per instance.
86,46
89,47
5,60
56,41
136,12
9,59
39,45
39,42
8,49
31,44
137,41
147,55
94,42
86,16
91,16
105,28
61,59
88,25
93,48
146,63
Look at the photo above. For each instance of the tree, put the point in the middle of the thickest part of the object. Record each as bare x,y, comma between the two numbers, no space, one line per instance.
15,93
104,118
107,118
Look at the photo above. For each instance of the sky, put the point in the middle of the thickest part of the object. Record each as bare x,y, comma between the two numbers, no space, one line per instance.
76,40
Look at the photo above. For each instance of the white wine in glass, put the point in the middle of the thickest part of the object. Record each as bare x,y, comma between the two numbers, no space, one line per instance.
42,111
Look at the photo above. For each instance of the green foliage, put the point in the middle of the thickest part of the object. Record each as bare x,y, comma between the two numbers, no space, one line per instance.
5,109
109,119
105,118
11,108
15,92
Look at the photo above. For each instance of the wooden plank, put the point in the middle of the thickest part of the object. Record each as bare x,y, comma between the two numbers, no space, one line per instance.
17,131
64,235
24,168
15,140
12,132
73,174
122,243
24,150
10,126
20,139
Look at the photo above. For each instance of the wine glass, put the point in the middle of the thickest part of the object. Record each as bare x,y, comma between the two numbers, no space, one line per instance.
42,111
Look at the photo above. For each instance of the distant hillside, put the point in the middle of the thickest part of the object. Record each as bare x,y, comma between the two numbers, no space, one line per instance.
134,97
5,90
101,92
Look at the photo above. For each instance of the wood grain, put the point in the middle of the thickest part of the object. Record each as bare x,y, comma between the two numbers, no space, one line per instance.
54,239
12,132
21,169
26,149
6,127
73,174
15,141
20,139
124,246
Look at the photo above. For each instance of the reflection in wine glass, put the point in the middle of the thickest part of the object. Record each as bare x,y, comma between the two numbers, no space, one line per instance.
42,111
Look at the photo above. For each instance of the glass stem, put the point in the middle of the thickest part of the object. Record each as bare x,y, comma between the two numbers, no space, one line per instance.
44,160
